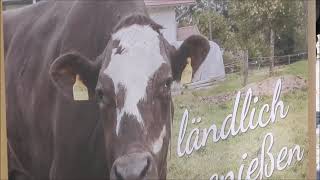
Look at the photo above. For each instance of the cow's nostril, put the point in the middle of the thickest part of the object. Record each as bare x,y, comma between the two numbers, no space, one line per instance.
133,166
145,169
118,175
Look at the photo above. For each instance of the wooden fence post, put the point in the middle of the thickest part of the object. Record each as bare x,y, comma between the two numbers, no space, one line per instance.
289,59
3,126
245,67
271,52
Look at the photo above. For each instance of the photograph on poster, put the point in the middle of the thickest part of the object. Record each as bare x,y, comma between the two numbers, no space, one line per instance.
150,89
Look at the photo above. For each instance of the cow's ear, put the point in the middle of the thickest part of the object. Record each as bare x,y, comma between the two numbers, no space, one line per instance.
196,47
64,70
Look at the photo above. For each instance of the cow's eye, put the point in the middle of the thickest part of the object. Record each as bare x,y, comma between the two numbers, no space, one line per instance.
99,95
168,83
165,88
104,98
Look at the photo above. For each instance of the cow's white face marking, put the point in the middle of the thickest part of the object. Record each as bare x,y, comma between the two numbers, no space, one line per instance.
157,145
134,66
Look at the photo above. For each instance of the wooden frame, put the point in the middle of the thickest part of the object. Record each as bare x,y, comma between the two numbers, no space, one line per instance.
3,130
311,174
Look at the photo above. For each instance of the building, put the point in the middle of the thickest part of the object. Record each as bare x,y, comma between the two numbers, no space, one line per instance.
12,4
163,12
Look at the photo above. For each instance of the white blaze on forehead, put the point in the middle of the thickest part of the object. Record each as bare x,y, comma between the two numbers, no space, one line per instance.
157,145
134,66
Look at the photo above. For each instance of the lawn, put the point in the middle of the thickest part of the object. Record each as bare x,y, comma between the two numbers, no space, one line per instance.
225,156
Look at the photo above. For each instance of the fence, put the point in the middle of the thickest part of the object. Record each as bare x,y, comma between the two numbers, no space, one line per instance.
239,65
259,62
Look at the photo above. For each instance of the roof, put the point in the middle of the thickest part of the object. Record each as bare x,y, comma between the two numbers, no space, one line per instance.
150,3
16,2
184,32
157,3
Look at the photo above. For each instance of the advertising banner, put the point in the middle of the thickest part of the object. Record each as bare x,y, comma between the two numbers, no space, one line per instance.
148,89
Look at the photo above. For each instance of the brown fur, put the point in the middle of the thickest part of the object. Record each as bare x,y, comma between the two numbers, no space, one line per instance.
76,139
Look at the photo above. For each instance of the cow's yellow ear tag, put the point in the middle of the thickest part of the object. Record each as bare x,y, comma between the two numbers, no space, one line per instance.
80,91
186,76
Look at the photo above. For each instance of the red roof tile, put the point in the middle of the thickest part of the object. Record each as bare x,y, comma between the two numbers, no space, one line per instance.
184,32
167,2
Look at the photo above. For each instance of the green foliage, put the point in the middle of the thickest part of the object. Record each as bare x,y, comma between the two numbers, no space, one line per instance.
239,25
255,18
219,25
226,155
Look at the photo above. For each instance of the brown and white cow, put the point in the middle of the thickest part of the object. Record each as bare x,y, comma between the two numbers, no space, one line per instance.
123,130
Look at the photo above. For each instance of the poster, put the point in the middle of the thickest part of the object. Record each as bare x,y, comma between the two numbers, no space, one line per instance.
318,90
158,90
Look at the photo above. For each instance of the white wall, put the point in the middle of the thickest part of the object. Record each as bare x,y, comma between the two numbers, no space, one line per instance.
166,17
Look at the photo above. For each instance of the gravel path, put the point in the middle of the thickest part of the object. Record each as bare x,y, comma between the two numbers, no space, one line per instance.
263,88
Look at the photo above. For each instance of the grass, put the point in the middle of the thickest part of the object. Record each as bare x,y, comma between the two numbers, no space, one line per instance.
223,156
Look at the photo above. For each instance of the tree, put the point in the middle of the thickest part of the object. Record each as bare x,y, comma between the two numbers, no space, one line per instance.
256,27
269,17
211,18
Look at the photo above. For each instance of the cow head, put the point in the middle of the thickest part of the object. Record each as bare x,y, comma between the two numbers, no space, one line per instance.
131,82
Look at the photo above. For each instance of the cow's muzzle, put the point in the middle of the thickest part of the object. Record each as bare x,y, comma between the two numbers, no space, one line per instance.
134,166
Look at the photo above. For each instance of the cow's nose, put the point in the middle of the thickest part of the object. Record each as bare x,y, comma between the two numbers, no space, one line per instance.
132,166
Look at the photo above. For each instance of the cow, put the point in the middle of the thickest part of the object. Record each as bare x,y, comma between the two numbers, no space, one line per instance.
123,130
